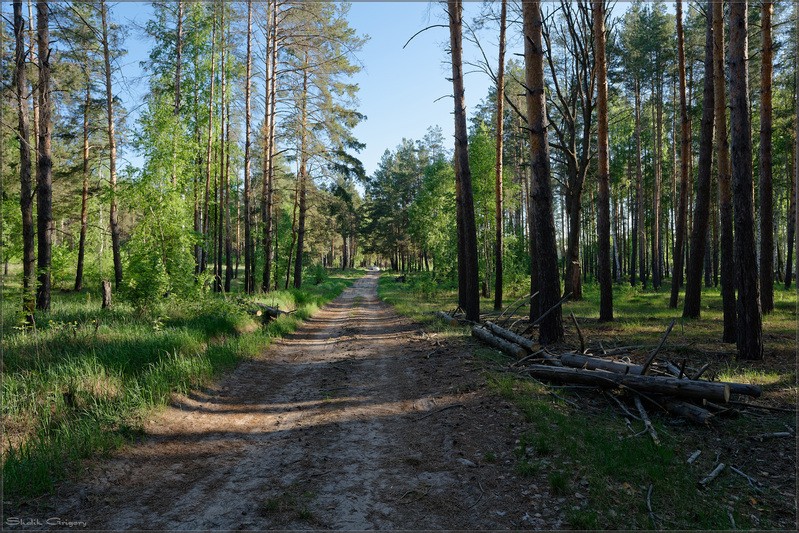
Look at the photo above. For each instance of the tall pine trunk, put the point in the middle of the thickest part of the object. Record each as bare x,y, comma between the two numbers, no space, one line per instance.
766,186
302,177
749,324
112,150
498,193
723,162
791,221
546,255
267,187
685,156
248,256
25,164
178,54
639,189
206,225
84,196
699,230
468,285
44,169
603,189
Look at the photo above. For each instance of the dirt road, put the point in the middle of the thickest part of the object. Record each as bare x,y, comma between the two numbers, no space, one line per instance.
359,420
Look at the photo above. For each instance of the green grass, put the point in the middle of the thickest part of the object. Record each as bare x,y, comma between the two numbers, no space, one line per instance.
80,383
593,453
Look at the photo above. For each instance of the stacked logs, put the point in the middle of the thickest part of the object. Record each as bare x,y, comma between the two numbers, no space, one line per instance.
678,390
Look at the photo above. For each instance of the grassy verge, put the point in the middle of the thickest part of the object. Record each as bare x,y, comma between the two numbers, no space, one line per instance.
590,451
81,382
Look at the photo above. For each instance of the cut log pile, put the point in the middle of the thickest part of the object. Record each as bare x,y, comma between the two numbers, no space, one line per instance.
673,388
266,312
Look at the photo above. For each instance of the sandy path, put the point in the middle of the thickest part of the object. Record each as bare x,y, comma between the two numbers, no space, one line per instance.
338,426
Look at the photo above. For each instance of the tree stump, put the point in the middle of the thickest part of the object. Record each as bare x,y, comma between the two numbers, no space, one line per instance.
106,290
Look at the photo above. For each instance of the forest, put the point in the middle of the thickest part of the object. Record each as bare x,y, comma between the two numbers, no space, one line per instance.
630,162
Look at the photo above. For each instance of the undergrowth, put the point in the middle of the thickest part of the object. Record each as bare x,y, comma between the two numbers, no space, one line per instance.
81,381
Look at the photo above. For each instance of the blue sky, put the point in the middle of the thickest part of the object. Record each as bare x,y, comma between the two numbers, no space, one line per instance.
398,87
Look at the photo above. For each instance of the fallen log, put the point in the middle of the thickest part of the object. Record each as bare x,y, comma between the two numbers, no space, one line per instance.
449,319
499,343
594,363
508,335
689,411
683,388
746,389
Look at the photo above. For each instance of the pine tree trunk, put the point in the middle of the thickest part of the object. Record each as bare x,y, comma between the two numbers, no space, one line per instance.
468,285
208,155
44,169
112,149
657,246
249,286
268,155
25,164
723,159
766,186
302,178
685,178
699,231
791,222
546,255
178,53
639,189
498,241
603,189
223,149
84,197
749,323
228,237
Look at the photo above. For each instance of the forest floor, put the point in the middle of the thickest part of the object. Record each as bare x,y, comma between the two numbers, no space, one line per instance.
365,419
358,420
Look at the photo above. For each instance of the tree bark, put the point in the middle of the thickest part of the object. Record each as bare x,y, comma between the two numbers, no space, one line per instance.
723,162
178,53
112,149
749,323
699,231
208,153
25,163
546,256
249,286
84,197
603,189
468,285
685,156
44,169
221,208
302,178
269,138
791,221
766,186
498,193
639,189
